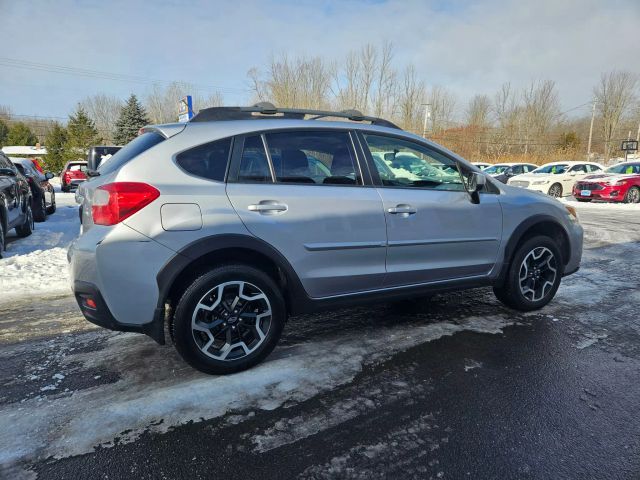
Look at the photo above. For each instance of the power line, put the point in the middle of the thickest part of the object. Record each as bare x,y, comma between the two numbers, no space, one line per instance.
98,74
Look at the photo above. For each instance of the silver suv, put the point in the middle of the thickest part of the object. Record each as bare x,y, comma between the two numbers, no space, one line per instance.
222,227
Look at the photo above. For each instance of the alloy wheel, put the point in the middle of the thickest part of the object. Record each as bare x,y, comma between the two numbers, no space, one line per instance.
231,320
555,191
634,195
538,273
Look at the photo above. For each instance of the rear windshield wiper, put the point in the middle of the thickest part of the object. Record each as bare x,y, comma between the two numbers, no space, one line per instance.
92,173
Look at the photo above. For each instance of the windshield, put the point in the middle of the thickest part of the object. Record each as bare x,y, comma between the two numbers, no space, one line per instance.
624,168
552,169
496,169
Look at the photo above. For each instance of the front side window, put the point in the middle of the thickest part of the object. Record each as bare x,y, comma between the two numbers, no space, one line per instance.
313,157
207,161
401,163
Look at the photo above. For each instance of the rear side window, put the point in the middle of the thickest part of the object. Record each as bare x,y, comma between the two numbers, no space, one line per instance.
208,161
131,150
254,166
315,157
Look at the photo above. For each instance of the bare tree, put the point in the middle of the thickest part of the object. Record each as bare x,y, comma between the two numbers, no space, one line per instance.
104,110
161,103
411,96
540,111
383,96
5,112
614,96
443,104
479,111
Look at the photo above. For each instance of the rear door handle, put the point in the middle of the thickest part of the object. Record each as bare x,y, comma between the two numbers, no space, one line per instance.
268,207
402,209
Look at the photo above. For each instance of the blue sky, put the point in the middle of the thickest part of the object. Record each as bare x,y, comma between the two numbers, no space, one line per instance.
470,47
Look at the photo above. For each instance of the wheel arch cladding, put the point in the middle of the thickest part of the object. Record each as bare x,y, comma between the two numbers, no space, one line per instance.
205,253
538,225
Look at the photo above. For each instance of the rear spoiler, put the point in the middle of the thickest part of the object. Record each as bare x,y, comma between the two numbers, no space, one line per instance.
167,130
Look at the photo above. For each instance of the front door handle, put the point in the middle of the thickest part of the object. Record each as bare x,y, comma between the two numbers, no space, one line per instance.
402,209
268,207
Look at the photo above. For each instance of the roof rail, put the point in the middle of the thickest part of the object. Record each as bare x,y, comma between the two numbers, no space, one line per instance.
267,109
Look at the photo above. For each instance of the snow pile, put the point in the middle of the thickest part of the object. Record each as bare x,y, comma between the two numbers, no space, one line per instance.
61,426
37,265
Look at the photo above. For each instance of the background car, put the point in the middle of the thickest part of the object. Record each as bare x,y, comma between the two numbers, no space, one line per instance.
555,178
73,174
619,183
504,171
15,202
43,195
481,165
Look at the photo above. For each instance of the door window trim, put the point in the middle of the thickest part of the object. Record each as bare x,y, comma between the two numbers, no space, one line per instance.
357,154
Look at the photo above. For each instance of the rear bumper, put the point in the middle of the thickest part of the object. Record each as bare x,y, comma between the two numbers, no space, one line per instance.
102,316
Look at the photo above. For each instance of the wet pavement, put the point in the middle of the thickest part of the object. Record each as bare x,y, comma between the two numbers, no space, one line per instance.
456,386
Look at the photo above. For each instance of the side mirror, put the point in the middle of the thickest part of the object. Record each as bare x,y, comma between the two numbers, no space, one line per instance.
476,182
7,172
48,175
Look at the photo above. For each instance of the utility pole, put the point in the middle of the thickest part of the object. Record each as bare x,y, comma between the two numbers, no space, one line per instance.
638,134
427,115
593,115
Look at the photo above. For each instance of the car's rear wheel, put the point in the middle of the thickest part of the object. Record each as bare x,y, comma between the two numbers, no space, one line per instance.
555,190
1,238
228,319
40,210
51,209
534,275
633,195
28,226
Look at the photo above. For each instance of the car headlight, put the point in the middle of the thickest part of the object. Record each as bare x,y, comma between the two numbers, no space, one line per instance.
616,183
539,182
573,214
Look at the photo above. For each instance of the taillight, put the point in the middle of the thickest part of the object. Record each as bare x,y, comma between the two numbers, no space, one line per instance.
114,202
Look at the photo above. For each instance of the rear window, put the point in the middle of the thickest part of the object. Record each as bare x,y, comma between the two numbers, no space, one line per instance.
131,150
207,161
74,167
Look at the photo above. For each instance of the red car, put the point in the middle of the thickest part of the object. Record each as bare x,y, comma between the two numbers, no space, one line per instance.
620,183
74,173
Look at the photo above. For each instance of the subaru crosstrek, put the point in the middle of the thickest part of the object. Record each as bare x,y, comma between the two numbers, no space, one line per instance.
220,228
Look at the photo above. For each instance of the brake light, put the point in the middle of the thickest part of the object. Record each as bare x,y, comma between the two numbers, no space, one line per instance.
114,202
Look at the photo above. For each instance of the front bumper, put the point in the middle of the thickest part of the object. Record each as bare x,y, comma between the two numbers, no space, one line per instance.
576,241
606,193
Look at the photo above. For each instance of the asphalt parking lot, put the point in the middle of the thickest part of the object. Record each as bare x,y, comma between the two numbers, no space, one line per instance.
455,386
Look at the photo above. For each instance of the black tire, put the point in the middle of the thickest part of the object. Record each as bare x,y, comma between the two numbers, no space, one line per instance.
64,189
555,190
51,209
40,210
185,339
2,241
28,226
510,293
633,195
585,200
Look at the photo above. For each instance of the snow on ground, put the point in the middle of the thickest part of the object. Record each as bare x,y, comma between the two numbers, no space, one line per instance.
37,265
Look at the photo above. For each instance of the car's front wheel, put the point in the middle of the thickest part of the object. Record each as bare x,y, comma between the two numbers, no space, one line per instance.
228,319
534,275
555,190
633,195
51,209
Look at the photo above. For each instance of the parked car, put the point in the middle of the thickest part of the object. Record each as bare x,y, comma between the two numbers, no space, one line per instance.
73,174
619,183
195,225
15,202
504,171
98,154
481,165
555,178
42,193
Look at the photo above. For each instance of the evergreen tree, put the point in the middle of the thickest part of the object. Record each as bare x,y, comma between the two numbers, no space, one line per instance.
132,118
81,134
55,142
4,131
20,134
